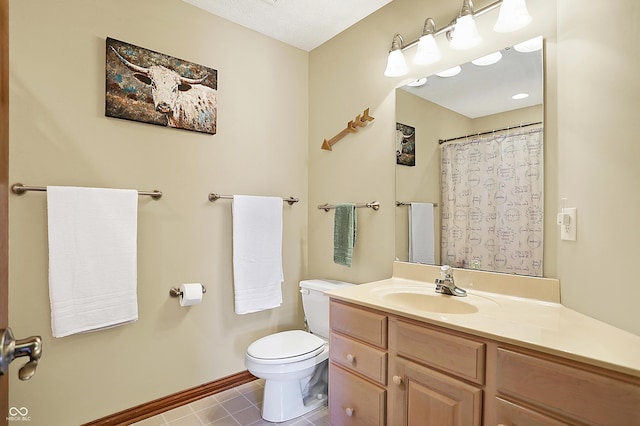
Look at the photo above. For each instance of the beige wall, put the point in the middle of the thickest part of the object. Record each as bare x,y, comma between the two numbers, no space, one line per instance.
598,152
60,136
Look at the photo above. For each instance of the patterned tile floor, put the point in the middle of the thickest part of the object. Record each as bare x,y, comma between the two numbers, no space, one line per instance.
239,406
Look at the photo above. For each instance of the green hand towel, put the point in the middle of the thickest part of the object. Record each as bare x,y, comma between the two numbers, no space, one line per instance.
344,233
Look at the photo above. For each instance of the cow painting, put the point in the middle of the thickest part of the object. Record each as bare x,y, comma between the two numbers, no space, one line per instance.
405,145
147,86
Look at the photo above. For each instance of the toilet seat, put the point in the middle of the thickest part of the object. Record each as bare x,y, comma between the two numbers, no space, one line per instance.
286,346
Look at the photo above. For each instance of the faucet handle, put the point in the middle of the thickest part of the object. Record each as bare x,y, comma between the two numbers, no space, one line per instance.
446,272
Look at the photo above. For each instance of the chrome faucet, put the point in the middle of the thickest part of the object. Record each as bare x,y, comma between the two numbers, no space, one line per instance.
445,284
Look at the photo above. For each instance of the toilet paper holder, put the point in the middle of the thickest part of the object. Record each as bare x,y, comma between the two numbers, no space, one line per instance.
176,292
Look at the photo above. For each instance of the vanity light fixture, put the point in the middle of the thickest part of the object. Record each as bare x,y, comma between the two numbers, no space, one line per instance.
427,52
465,32
461,32
396,65
489,59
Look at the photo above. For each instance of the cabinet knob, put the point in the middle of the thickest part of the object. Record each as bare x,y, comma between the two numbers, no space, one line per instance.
397,380
351,358
349,411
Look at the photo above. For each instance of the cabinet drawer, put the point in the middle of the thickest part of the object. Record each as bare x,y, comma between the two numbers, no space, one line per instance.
460,356
510,414
368,361
568,391
364,325
354,401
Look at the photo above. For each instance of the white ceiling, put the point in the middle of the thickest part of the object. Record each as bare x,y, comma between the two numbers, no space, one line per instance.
305,24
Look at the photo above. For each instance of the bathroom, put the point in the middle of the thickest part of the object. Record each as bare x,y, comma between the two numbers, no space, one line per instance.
276,105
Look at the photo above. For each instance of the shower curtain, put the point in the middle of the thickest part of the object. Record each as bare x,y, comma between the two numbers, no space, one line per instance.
493,204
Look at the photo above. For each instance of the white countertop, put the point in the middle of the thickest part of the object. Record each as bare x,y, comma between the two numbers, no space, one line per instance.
536,324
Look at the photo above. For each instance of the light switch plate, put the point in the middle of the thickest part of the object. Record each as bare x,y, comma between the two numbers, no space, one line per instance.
568,232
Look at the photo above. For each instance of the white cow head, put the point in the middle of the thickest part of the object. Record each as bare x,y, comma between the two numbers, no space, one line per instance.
166,84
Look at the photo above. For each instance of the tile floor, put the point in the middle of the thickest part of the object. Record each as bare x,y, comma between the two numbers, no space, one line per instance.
239,406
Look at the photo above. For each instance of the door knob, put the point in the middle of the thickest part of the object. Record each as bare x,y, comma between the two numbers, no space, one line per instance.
11,349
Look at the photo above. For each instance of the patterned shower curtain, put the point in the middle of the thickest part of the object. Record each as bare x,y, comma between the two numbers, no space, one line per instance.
493,204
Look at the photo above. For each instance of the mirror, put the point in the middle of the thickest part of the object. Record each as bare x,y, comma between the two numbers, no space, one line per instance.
467,110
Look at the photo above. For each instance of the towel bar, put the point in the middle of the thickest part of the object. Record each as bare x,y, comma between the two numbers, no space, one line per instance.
408,203
372,205
213,197
20,189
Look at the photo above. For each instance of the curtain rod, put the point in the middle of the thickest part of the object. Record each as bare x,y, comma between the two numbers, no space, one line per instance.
441,141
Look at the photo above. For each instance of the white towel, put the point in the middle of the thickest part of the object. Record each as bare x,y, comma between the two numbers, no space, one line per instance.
421,233
257,253
92,258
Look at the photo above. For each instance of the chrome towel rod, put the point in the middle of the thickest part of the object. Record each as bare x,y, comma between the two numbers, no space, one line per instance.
408,203
213,197
20,189
372,205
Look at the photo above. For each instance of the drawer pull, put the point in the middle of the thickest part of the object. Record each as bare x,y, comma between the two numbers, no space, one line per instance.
349,411
397,380
351,358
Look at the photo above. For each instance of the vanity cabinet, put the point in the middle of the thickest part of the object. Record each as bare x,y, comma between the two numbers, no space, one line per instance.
388,369
357,366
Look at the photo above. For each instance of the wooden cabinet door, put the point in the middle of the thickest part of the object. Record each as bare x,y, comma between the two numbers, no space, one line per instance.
421,396
354,401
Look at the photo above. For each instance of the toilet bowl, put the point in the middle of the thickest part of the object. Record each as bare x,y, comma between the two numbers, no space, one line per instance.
294,363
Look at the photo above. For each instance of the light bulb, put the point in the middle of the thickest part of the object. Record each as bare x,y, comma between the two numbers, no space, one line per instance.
396,64
428,52
512,17
465,33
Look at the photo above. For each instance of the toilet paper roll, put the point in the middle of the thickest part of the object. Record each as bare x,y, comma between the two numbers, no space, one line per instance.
191,294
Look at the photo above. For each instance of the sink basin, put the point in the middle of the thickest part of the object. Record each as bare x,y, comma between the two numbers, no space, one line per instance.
439,303
425,299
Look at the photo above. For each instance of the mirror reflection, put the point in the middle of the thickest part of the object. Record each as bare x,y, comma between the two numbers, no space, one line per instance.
469,164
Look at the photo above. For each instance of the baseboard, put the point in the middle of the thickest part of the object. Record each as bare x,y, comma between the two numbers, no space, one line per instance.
150,409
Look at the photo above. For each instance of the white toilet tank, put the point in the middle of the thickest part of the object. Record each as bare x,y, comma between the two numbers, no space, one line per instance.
316,304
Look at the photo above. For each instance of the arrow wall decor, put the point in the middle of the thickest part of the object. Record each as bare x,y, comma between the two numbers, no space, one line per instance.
352,127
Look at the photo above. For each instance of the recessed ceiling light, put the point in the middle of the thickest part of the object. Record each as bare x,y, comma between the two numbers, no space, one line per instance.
519,96
450,72
530,45
419,82
489,59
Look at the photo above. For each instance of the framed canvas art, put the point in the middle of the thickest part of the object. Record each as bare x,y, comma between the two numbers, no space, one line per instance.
405,145
150,87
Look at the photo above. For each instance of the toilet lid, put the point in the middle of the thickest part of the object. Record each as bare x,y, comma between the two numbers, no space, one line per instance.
286,344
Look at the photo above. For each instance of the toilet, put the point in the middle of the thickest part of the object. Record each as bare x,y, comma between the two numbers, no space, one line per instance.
294,363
